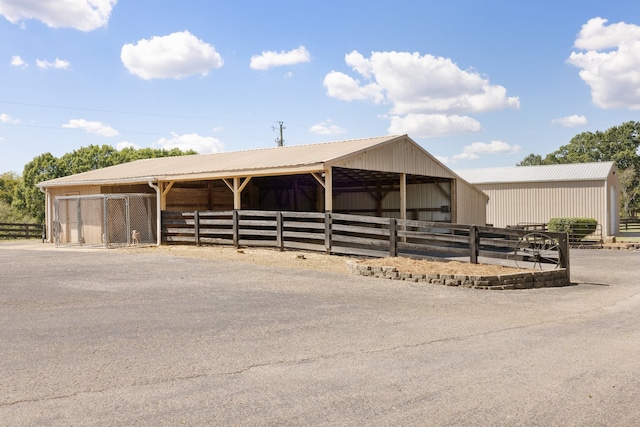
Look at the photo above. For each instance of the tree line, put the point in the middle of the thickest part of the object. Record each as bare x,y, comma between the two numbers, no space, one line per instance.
618,144
22,201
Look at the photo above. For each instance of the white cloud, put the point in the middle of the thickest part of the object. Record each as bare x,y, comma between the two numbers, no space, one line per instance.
473,151
327,128
126,144
570,121
5,118
346,88
610,63
424,91
192,141
270,59
83,15
174,56
17,61
60,64
432,125
96,128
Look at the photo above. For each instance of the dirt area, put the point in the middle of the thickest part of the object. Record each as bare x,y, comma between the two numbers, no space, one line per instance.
323,262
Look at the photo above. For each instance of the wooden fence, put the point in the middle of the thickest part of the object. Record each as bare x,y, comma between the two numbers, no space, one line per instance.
632,224
21,231
347,234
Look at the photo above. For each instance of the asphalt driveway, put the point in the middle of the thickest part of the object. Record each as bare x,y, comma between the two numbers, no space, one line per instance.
108,337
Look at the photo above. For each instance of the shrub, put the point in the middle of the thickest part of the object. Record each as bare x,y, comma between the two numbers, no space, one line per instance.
576,228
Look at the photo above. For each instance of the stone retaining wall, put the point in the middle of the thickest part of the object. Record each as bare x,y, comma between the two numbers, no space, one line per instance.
527,280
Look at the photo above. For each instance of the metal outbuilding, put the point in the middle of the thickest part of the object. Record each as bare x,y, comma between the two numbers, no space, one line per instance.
535,194
390,176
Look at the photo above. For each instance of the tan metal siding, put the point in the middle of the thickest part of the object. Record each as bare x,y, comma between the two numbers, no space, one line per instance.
510,204
471,205
399,157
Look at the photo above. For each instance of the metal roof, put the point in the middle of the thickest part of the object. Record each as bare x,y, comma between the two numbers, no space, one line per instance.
544,173
311,157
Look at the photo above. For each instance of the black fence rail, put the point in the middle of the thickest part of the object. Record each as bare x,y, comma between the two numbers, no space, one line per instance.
21,231
632,224
353,235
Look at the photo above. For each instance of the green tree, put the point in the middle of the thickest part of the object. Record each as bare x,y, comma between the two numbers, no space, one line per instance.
29,200
9,181
531,160
618,144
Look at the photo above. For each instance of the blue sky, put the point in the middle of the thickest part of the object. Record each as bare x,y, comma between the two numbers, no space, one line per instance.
476,83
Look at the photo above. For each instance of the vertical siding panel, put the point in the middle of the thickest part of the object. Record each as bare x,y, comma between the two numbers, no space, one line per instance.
513,203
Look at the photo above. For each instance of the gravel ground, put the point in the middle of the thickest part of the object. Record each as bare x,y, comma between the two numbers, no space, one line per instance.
148,336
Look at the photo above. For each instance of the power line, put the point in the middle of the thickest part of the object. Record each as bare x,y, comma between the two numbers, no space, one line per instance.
99,110
280,141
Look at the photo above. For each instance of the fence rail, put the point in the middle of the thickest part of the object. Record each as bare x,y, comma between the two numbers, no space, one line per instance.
21,231
630,223
345,234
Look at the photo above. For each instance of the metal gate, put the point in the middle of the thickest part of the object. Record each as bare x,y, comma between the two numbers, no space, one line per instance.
105,220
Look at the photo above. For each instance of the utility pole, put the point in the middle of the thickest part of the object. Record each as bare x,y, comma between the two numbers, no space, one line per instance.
279,141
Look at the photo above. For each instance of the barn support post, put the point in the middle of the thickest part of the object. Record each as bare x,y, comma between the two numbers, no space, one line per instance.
403,201
328,190
236,188
159,209
474,243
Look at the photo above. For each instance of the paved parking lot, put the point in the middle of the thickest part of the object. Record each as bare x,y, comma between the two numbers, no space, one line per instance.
110,337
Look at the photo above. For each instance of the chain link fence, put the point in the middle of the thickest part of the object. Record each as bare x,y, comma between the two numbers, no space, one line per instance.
105,220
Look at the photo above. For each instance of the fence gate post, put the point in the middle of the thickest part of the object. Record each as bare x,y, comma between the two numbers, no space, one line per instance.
474,242
236,228
327,232
393,237
196,227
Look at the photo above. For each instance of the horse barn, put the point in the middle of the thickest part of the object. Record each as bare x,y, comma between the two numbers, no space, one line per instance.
534,194
390,176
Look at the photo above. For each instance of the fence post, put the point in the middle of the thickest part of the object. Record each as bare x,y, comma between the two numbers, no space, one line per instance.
327,232
279,232
196,227
563,244
236,228
474,242
393,237
26,231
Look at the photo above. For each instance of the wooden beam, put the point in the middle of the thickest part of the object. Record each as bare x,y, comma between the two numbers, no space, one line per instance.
318,178
328,190
165,186
236,188
237,200
403,196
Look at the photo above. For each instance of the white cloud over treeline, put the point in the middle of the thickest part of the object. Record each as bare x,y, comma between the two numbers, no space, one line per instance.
428,95
175,56
94,127
570,121
83,15
609,62
192,141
